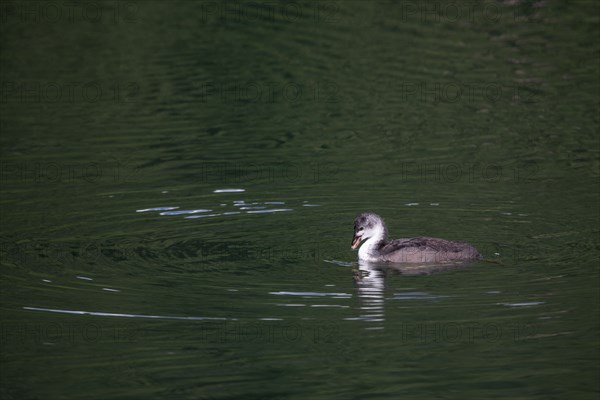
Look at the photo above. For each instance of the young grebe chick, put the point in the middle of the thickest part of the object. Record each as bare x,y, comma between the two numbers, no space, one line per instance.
422,249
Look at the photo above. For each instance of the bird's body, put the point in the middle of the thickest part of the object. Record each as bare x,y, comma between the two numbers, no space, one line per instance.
422,249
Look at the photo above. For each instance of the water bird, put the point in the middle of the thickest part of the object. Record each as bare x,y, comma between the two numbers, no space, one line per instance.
422,249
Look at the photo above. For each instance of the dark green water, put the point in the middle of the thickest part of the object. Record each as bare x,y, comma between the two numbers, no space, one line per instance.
468,121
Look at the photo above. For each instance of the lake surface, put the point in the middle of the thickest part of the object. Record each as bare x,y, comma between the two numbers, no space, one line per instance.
179,182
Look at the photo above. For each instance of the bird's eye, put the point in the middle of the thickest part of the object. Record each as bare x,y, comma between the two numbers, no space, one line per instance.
361,229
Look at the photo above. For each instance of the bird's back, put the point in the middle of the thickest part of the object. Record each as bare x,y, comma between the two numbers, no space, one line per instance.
426,249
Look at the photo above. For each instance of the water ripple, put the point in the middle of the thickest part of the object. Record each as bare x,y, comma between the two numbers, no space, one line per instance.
202,216
157,209
526,304
185,212
269,210
415,296
106,314
229,190
314,294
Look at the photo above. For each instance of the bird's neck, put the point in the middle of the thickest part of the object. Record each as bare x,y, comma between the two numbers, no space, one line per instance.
369,249
379,234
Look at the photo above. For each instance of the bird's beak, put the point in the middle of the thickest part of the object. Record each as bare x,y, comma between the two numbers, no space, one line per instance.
356,241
